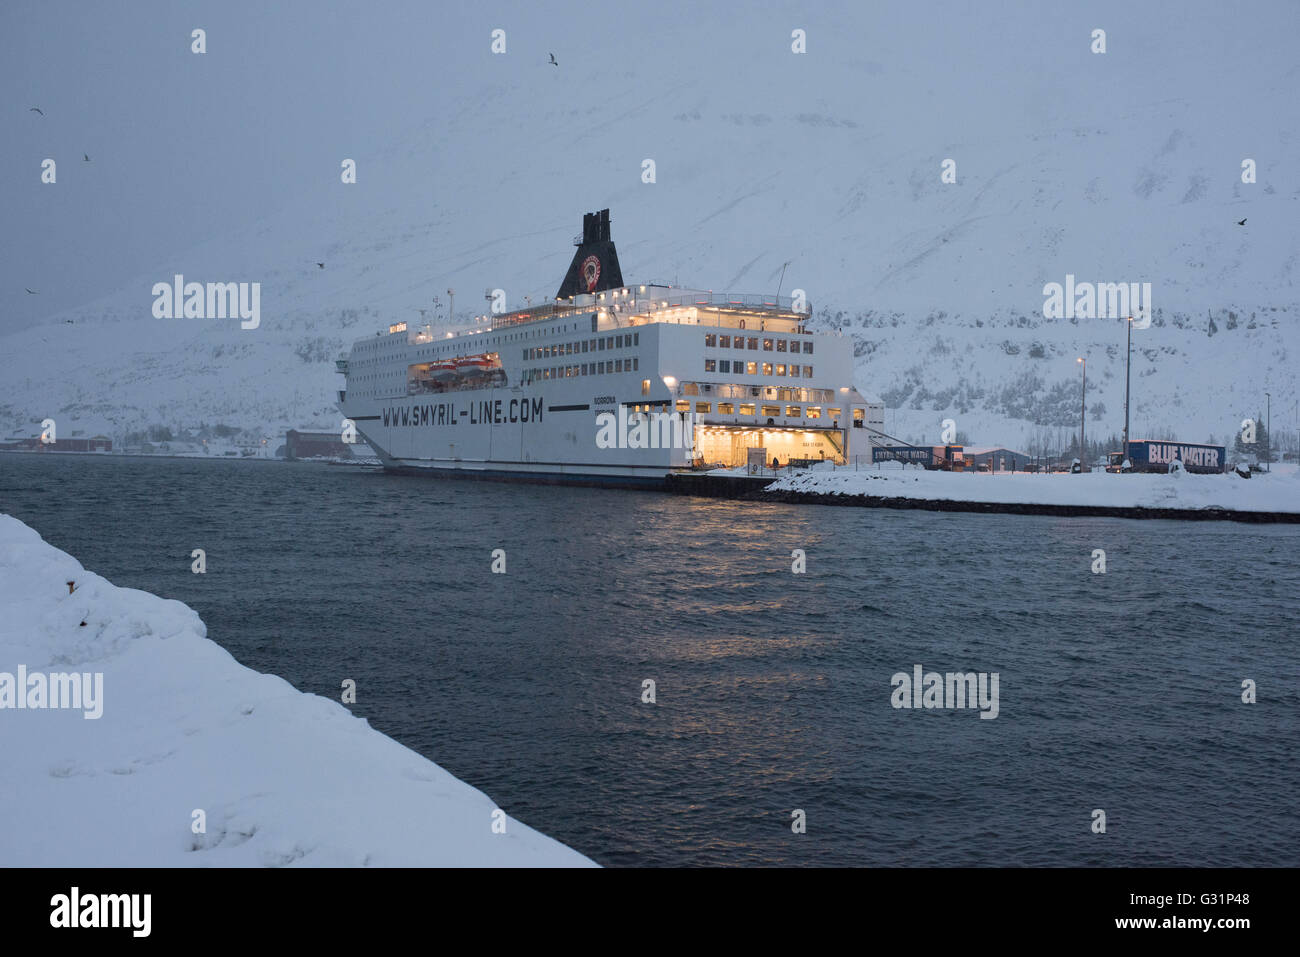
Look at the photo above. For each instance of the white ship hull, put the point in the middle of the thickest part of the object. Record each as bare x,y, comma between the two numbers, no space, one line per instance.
505,433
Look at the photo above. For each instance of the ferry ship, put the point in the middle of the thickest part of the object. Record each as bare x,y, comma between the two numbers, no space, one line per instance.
609,384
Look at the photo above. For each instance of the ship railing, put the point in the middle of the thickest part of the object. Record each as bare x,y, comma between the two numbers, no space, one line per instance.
624,302
639,301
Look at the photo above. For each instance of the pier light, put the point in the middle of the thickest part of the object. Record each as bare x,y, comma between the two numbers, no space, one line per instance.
670,381
1083,415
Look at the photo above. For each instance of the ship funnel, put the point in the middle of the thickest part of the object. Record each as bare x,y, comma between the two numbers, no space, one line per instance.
595,264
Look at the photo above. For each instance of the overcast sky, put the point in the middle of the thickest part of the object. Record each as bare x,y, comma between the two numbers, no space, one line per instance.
184,147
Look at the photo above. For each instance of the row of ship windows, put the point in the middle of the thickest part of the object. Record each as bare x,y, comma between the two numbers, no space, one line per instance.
713,341
768,411
457,346
752,368
735,391
586,345
586,368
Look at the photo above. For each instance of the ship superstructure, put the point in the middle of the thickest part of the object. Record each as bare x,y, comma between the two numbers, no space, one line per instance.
610,383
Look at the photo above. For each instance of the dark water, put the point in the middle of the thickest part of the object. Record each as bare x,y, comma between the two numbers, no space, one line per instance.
1118,691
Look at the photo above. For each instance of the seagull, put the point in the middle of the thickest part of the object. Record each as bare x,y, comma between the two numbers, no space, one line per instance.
36,109
86,157
30,292
553,63
1242,223
322,265
68,321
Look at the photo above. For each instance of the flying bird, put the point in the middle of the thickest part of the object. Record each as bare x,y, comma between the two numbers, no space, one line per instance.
321,265
86,157
68,321
30,292
553,63
1242,223
36,109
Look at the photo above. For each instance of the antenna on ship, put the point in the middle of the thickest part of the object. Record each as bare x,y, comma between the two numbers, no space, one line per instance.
451,309
782,282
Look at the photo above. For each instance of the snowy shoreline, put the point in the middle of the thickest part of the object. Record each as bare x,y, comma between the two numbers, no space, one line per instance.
282,777
1264,497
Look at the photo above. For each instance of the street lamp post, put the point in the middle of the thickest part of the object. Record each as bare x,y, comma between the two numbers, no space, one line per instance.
1268,432
1083,407
1128,362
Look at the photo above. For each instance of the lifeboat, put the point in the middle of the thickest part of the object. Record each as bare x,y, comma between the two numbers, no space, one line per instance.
473,366
442,370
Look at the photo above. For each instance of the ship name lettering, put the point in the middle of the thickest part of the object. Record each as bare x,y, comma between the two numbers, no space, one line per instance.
484,412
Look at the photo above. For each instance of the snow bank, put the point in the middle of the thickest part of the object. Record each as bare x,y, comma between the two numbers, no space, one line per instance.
283,777
1276,492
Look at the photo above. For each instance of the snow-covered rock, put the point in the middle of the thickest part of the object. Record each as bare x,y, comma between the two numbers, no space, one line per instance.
281,777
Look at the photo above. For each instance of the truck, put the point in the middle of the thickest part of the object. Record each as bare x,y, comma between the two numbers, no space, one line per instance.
1155,455
948,458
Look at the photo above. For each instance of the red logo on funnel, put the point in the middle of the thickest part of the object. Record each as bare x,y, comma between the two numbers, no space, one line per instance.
591,272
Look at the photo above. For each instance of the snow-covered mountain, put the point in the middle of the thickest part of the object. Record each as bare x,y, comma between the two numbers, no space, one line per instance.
1123,166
